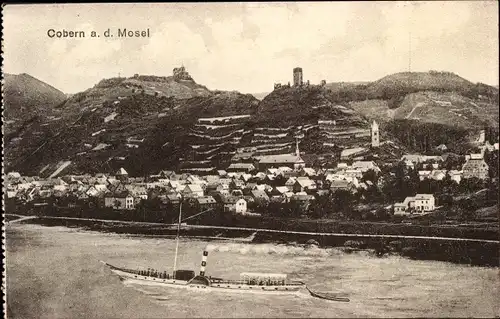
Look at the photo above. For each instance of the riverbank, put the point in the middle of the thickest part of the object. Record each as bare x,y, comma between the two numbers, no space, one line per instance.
457,250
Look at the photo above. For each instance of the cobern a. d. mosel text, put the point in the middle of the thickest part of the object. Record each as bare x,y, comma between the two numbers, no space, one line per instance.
119,33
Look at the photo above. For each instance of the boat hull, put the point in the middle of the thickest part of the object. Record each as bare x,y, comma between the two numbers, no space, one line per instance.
223,286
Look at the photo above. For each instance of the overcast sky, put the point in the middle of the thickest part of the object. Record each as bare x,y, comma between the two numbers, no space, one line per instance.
248,47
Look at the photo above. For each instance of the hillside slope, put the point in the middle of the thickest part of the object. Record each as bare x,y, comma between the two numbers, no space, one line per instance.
26,97
446,108
434,97
26,94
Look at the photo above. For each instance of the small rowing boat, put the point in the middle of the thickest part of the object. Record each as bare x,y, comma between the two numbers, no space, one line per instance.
328,296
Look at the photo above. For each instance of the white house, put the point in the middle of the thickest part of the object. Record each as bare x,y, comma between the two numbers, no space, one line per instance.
304,183
96,189
424,174
455,175
235,204
438,174
240,207
291,181
13,175
418,204
121,200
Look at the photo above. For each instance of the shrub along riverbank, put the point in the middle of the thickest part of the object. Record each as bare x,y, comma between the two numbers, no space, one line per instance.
488,231
468,252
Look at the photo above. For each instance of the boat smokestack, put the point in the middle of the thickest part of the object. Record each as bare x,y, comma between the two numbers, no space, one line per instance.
203,263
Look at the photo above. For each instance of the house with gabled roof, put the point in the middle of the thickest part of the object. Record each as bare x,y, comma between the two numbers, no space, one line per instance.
352,152
342,185
236,192
241,167
13,176
173,198
192,190
237,184
272,171
121,173
138,192
251,186
212,179
270,179
419,204
475,166
303,184
205,202
365,166
193,179
309,172
281,192
235,204
264,187
259,195
222,173
438,174
290,182
95,190
423,174
246,177
455,175
119,200
166,174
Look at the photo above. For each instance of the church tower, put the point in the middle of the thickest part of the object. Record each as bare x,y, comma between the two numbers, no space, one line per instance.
482,137
375,135
297,151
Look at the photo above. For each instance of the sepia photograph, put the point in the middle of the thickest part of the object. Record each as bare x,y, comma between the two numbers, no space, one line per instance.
251,160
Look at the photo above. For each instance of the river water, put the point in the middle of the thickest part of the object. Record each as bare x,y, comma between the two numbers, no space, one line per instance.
54,272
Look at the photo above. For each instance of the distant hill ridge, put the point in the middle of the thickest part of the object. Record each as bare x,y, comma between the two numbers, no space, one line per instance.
400,84
25,96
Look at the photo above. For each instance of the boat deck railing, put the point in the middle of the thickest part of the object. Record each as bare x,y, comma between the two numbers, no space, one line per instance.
256,282
250,282
148,273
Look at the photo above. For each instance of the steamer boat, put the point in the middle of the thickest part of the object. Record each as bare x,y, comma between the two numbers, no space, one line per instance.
261,283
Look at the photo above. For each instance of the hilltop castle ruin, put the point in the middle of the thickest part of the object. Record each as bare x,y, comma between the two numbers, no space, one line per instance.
298,80
181,74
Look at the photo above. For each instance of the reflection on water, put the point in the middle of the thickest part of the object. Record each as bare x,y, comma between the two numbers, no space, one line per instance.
55,272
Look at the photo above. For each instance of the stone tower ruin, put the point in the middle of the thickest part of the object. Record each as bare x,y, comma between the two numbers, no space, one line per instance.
297,76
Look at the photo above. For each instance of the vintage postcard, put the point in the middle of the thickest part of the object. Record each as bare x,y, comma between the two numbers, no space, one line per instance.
251,160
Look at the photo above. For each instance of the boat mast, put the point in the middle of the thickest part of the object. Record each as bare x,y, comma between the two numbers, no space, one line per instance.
177,237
